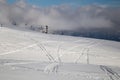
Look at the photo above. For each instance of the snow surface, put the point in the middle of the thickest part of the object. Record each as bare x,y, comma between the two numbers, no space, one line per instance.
28,55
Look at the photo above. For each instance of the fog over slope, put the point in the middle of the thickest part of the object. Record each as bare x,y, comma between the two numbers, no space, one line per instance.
86,20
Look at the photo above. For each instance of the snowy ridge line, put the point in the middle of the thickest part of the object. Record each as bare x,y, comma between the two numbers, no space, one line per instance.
6,45
18,50
83,41
11,63
34,69
110,73
49,41
95,55
88,46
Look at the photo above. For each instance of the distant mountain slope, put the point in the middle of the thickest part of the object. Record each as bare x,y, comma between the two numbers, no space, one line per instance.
98,33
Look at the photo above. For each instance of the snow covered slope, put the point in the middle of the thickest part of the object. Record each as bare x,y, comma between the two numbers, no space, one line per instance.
22,45
27,55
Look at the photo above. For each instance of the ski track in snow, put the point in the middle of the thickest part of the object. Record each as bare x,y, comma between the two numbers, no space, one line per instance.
110,73
55,62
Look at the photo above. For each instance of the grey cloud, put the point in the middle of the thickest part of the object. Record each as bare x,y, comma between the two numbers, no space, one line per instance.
61,17
3,1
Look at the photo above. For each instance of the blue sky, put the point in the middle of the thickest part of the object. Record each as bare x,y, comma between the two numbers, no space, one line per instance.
71,2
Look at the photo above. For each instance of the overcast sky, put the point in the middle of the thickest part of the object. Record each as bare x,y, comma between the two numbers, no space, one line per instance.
62,14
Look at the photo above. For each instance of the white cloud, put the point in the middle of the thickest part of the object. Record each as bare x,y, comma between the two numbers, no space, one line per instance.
21,3
62,17
2,1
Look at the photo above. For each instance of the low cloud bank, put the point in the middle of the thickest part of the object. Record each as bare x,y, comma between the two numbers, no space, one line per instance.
61,17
